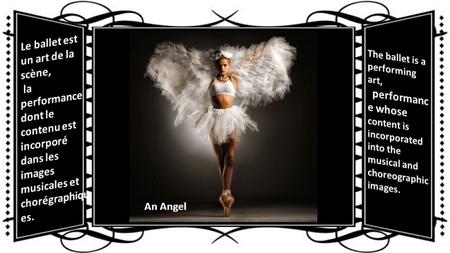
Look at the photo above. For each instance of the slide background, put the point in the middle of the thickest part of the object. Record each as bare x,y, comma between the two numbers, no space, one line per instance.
171,12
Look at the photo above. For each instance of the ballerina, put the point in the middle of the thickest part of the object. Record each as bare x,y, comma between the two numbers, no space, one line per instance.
257,75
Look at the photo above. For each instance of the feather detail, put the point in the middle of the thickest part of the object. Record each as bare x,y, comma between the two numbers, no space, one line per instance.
184,76
262,71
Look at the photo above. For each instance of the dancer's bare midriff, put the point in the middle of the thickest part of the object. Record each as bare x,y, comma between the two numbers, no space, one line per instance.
222,101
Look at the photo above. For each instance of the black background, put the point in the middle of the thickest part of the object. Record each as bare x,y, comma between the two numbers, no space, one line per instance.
135,141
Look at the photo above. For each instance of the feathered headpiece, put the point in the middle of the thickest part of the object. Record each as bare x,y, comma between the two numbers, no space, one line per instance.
216,55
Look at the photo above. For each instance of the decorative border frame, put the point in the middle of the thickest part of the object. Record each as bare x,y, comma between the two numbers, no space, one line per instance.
9,36
441,122
169,225
337,234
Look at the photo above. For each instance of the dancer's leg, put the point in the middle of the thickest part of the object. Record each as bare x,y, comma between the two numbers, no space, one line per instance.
230,162
219,150
226,199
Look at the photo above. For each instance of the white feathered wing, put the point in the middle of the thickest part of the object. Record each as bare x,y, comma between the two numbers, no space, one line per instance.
183,77
262,70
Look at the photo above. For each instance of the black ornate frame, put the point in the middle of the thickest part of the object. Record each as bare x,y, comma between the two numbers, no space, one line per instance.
339,235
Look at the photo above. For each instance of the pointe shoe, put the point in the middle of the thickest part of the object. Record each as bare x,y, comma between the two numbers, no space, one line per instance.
227,200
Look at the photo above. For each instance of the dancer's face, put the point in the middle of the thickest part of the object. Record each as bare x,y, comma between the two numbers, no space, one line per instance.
223,65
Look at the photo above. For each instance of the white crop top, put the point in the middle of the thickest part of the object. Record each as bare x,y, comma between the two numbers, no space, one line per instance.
218,88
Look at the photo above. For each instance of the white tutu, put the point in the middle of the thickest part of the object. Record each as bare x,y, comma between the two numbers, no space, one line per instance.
223,123
184,75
